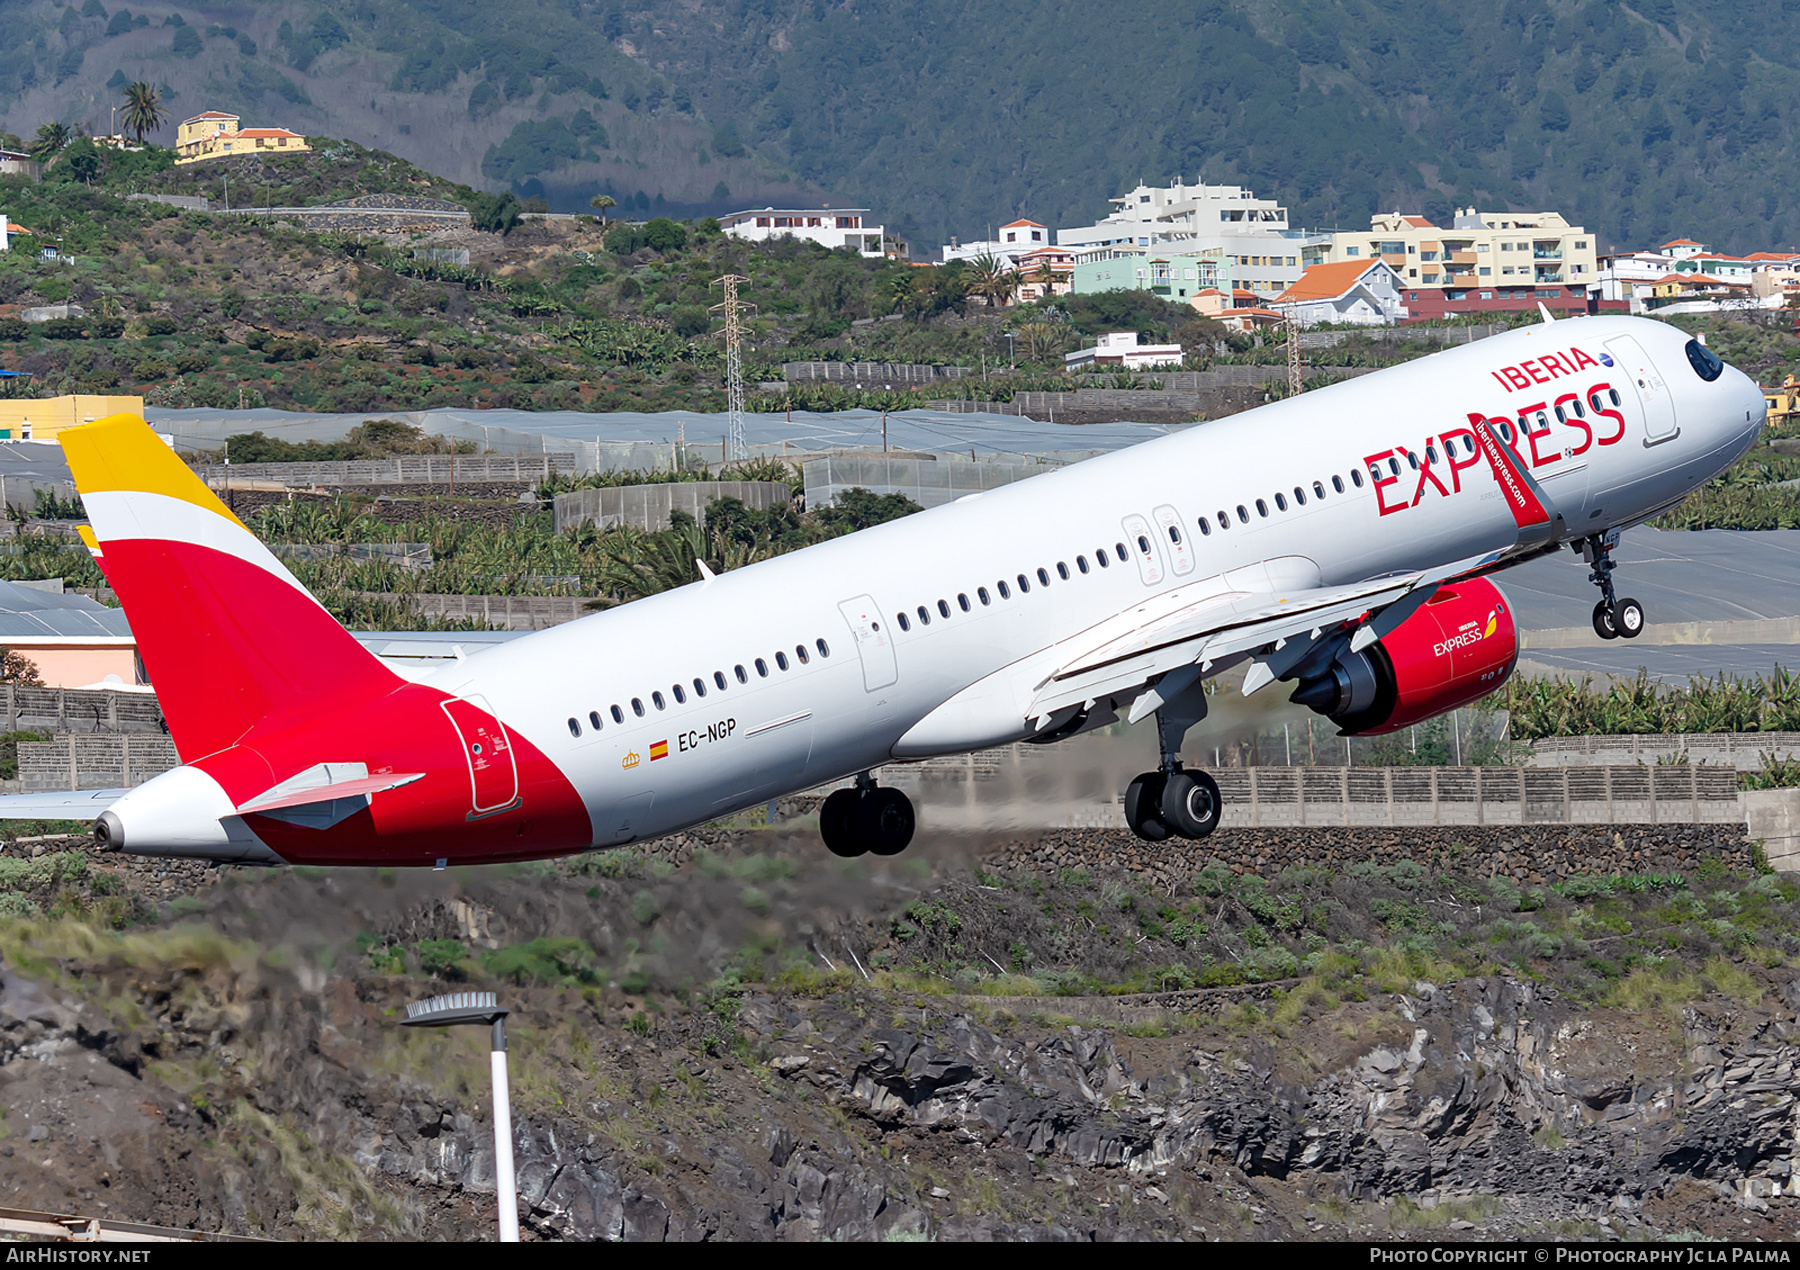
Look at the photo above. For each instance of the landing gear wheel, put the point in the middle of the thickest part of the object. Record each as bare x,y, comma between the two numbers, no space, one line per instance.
1628,618
1143,807
1190,804
837,824
884,821
1604,625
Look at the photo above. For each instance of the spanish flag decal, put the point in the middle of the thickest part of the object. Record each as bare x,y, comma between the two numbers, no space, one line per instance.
658,749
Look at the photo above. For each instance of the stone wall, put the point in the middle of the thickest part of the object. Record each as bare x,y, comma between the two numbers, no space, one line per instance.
415,469
1533,855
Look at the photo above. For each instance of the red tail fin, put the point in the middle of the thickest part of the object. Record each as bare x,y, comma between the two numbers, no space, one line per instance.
229,636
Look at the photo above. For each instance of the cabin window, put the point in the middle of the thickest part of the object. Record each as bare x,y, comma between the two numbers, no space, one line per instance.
741,676
1243,515
762,667
1043,578
1119,547
800,652
781,661
1024,585
962,601
1081,563
1205,527
1431,453
1100,555
699,688
619,715
1411,458
594,718
656,699
981,593
1005,592
574,728
904,624
1318,489
943,608
680,696
719,679
1262,508
1280,502
924,616
1062,571
637,706
1337,483
1575,405
1143,544
823,647
1299,497
1356,477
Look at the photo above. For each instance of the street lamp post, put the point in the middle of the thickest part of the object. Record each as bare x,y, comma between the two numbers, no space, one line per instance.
480,1007
1011,360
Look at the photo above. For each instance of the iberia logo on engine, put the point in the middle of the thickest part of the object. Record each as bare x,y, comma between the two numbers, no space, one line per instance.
1468,633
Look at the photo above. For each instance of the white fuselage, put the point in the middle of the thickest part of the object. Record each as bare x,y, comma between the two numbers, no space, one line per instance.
876,696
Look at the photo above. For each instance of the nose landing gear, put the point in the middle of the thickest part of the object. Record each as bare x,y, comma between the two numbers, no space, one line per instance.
870,819
1614,618
1172,801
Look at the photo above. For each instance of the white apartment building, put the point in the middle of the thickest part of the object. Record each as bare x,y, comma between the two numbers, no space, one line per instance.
5,235
1253,233
1488,250
845,228
1009,246
1628,275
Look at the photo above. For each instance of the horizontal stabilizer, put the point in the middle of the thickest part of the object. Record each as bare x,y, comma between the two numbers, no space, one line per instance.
66,804
282,797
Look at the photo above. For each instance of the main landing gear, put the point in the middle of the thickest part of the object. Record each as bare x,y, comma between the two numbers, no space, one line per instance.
870,819
1172,802
1613,618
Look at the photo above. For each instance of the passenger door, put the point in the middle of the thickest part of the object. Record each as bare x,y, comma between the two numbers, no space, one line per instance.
1652,393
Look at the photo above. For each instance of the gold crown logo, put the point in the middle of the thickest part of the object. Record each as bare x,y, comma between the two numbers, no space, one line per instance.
630,760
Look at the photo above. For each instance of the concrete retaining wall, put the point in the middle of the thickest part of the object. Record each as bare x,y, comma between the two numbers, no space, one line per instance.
497,612
1742,751
93,762
648,506
928,482
78,710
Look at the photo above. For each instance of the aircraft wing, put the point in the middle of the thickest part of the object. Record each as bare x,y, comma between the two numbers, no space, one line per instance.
68,804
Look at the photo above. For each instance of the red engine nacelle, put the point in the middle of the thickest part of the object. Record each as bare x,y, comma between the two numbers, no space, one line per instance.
1461,645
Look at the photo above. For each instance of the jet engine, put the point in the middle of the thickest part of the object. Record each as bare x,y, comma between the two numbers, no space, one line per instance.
1460,645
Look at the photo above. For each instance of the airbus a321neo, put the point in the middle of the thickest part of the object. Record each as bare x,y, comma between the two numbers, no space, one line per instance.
1342,542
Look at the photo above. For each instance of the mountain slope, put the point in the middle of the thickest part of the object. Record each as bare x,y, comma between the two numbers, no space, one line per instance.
1640,121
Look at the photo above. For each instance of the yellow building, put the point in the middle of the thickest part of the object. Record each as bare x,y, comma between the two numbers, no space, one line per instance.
1783,402
216,134
41,419
1481,249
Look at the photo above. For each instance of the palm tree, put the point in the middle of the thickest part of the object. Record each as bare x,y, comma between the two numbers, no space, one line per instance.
50,139
144,110
987,273
602,202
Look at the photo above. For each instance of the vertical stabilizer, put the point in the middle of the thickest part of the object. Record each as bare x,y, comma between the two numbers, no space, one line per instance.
229,636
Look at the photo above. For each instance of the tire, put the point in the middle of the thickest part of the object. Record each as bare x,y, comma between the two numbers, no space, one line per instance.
883,822
837,823
1191,804
1628,619
1143,807
1603,622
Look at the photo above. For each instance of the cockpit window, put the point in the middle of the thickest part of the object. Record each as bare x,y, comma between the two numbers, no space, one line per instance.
1705,362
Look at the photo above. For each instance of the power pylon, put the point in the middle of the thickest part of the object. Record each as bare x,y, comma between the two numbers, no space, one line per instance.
1293,355
731,308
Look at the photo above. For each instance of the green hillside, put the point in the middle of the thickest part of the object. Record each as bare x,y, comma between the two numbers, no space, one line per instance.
1641,121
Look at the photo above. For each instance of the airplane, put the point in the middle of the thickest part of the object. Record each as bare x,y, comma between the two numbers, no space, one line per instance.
1342,542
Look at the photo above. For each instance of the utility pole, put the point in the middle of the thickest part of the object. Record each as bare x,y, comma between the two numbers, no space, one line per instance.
731,307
